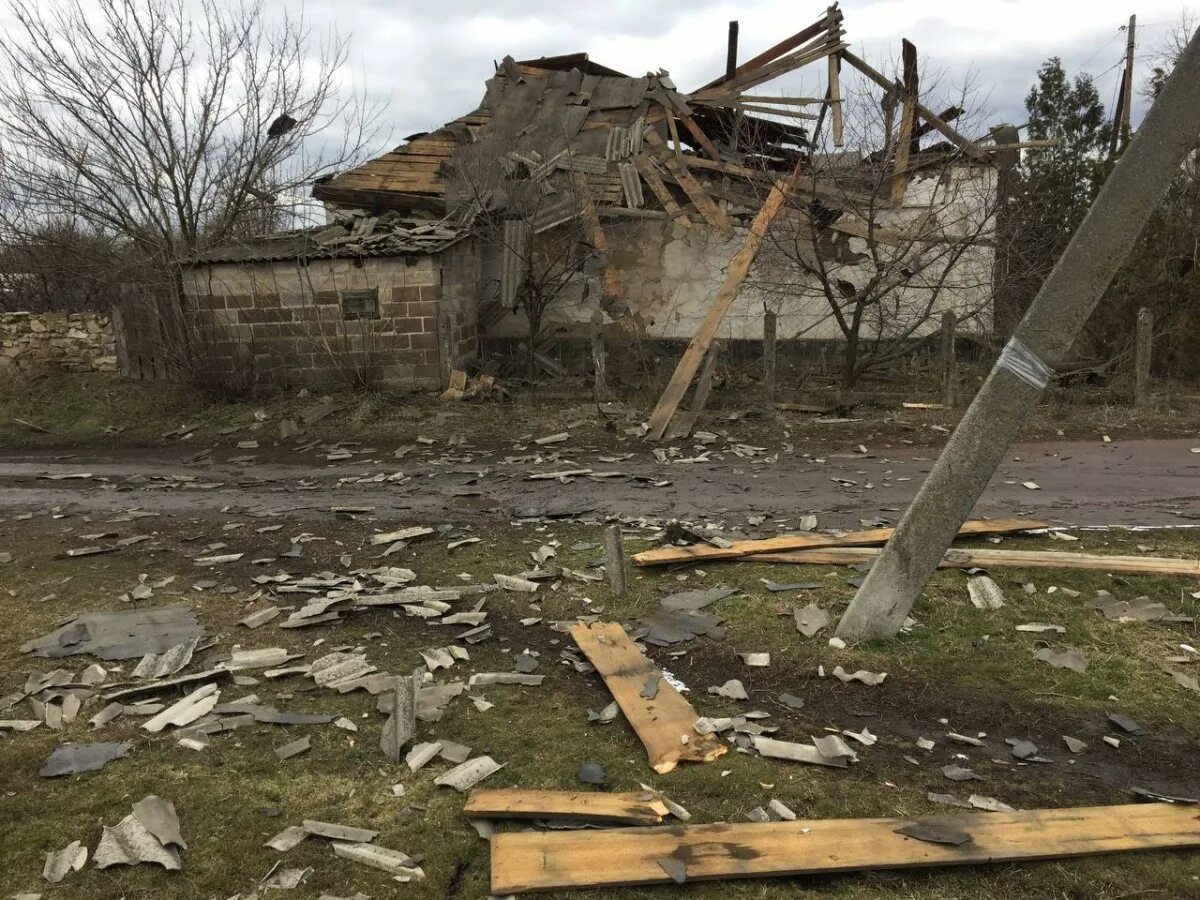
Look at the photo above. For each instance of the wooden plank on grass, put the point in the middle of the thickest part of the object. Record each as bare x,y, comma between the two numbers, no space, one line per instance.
661,556
665,724
739,267
540,861
1003,559
576,806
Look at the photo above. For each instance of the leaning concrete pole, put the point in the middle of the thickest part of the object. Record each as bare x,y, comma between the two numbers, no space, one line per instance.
1026,364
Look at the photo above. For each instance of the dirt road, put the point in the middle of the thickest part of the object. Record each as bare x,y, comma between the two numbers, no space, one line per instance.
1152,482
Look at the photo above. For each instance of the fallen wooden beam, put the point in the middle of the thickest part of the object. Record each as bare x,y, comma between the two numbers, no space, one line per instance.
666,723
713,214
739,267
574,806
905,142
787,45
996,559
657,187
661,556
541,861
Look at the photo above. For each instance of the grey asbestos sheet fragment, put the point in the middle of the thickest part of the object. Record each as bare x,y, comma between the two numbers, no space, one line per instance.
130,843
59,862
70,759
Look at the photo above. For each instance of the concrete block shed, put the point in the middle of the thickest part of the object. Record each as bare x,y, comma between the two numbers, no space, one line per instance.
384,295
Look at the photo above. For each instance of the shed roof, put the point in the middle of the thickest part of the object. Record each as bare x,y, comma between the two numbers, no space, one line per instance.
353,235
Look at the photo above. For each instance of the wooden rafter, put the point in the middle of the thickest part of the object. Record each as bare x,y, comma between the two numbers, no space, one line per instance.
966,145
739,267
649,173
904,141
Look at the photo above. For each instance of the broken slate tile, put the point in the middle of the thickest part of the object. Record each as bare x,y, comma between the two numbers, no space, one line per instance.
694,601
1066,659
59,862
70,759
732,689
337,832
158,817
287,839
129,843
293,748
810,619
465,776
286,879
985,593
592,773
676,869
862,675
1126,724
935,833
988,804
756,660
958,773
1074,744
791,700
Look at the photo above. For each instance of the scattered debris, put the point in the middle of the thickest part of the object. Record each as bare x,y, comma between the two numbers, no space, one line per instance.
59,863
124,634
1065,659
71,759
666,724
465,776
985,593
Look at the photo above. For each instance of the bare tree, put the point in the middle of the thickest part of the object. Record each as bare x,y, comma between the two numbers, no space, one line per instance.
168,126
540,221
876,246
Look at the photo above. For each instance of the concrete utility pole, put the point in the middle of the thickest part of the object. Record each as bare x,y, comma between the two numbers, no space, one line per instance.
1026,365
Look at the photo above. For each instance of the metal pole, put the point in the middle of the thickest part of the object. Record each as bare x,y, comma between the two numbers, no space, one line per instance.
1051,325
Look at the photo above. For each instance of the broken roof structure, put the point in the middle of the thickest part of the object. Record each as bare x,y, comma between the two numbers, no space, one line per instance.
640,142
659,187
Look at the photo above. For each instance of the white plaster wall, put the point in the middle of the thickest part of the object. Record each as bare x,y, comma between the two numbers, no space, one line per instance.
671,273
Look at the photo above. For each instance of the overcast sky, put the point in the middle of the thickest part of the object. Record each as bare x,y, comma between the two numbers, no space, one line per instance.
431,58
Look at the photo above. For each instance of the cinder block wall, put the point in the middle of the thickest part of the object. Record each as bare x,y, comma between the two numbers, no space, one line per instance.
286,322
71,342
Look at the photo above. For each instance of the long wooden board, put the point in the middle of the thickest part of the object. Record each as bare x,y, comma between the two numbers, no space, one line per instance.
661,556
739,267
1003,559
576,806
665,724
536,861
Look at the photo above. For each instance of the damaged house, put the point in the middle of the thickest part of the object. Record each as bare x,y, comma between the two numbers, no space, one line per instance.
577,196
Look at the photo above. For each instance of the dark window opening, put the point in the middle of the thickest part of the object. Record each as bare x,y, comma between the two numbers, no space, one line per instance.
360,304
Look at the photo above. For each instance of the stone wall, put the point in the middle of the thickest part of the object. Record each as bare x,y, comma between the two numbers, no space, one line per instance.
69,342
287,323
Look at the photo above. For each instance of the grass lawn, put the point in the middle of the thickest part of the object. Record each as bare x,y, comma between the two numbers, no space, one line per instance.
969,667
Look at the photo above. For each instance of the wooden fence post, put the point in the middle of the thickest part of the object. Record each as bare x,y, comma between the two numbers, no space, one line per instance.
600,389
949,374
1142,359
614,559
768,355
